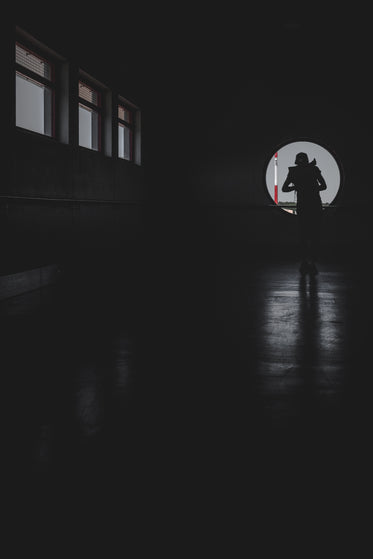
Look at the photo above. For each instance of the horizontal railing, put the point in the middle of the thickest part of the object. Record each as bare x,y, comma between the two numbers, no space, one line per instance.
186,203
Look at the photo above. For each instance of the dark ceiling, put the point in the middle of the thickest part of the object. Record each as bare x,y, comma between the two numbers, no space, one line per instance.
160,49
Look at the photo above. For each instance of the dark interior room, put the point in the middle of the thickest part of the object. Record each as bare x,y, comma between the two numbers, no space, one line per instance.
174,380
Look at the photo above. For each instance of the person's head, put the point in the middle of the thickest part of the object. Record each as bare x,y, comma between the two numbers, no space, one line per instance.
301,159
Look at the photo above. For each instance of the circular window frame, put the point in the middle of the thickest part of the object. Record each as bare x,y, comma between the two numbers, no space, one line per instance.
327,147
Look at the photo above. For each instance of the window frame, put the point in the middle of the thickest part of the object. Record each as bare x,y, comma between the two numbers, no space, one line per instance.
129,125
312,140
91,106
40,80
62,100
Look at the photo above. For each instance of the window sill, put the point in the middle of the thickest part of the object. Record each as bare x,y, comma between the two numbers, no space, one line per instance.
38,135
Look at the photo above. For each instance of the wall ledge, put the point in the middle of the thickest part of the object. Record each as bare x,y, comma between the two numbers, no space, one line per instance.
12,285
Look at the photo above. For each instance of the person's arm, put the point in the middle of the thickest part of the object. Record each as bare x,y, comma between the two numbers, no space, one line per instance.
321,181
287,186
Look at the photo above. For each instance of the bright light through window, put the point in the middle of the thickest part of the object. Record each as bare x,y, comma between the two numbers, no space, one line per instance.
125,133
89,117
276,174
34,92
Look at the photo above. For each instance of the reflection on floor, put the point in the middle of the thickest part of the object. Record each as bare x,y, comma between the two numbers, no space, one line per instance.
231,381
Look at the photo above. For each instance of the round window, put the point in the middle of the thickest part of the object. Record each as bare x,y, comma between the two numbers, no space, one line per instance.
278,168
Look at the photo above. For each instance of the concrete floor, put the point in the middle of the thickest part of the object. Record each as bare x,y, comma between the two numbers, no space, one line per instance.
232,392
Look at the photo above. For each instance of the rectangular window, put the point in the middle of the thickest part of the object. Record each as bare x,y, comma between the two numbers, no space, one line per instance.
125,132
89,117
35,92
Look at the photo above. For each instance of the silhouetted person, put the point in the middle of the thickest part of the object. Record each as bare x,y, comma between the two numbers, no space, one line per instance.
306,179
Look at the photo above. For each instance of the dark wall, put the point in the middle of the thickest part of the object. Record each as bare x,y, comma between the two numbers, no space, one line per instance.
45,167
255,90
63,201
60,201
219,93
228,175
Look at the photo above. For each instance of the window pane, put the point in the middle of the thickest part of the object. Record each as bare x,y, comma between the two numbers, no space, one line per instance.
124,114
85,127
33,105
124,142
88,128
88,94
33,62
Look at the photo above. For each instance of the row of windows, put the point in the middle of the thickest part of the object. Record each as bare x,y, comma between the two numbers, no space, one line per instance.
36,99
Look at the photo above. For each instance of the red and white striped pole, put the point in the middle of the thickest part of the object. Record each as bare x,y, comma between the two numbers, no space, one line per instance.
276,187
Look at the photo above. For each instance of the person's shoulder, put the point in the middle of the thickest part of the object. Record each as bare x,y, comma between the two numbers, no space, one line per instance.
312,165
